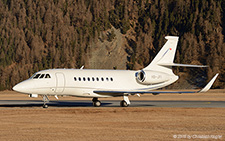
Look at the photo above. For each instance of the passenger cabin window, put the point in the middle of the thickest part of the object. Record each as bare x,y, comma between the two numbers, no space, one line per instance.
91,78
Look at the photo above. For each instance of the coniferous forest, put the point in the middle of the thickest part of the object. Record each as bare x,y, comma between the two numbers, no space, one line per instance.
110,34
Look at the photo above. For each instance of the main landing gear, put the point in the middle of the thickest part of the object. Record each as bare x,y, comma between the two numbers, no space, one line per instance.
96,102
125,102
45,99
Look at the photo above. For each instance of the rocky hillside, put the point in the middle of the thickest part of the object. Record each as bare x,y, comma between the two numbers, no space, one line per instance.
112,34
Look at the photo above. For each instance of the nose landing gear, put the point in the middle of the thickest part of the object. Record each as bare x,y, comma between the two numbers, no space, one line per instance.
46,100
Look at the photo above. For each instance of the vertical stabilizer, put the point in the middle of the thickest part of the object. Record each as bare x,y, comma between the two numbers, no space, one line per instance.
165,56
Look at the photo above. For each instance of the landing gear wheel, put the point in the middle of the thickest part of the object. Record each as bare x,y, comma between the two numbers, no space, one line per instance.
96,103
123,103
45,106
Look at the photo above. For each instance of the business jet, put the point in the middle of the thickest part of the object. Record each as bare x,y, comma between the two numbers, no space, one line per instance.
92,83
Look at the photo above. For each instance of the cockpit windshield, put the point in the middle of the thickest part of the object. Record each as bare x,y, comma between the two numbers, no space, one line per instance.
41,76
36,76
47,76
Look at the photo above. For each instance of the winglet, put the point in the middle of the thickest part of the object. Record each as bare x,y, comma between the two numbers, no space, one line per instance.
208,86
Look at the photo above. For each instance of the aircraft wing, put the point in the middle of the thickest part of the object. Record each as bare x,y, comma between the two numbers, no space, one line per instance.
132,92
124,92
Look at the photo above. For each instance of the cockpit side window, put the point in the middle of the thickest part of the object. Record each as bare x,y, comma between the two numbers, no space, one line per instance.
47,76
36,76
42,76
32,76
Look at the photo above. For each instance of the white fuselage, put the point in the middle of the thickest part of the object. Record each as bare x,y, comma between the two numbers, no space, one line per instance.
83,82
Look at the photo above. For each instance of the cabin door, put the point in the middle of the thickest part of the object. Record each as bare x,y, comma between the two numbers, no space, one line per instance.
60,82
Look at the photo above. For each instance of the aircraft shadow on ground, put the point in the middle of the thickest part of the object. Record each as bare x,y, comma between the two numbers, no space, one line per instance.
36,103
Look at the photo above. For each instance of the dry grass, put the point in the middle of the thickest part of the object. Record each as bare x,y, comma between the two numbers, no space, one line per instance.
109,123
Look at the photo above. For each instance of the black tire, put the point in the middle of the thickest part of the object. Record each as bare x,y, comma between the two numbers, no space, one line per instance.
96,103
123,103
45,106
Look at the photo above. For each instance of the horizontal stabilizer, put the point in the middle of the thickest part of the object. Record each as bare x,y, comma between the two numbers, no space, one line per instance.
181,65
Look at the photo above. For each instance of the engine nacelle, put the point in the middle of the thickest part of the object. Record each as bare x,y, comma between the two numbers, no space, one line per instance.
151,77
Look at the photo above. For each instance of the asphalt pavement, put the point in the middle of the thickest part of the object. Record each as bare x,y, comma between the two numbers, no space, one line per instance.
112,103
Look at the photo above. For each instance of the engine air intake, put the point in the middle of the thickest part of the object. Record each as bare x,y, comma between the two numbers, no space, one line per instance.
151,77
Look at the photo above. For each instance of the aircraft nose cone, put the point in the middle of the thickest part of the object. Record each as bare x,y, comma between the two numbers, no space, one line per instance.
18,88
14,88
23,87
